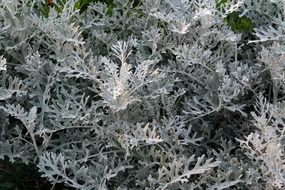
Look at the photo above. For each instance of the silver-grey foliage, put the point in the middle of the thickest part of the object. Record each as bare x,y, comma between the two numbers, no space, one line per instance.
159,95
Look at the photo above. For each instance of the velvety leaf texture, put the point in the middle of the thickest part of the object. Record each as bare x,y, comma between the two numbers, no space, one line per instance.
156,94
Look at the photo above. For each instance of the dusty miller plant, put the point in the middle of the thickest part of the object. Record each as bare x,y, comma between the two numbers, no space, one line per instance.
161,94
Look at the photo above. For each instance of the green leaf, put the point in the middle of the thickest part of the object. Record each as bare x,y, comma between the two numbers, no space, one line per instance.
239,24
220,3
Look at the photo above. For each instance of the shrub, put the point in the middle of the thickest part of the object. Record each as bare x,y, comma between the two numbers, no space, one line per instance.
175,94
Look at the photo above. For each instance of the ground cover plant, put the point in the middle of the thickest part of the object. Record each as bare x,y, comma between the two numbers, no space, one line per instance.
153,95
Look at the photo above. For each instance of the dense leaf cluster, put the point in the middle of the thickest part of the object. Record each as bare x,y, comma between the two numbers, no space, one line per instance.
153,95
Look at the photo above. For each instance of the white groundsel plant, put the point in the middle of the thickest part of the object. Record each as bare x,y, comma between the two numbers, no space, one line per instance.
156,94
